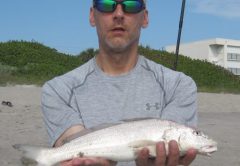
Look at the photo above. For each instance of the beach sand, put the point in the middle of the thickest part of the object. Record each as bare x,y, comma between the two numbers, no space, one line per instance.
22,123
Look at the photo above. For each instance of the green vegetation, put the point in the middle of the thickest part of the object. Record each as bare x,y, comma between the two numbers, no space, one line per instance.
24,62
33,63
208,77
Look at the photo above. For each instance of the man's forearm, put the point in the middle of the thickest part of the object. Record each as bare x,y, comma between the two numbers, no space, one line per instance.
65,137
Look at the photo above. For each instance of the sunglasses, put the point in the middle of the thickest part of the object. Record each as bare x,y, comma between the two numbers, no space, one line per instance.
128,6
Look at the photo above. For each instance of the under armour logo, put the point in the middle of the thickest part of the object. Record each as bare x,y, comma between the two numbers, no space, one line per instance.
150,106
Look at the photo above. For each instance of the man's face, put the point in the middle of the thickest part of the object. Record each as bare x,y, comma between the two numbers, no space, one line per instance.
118,30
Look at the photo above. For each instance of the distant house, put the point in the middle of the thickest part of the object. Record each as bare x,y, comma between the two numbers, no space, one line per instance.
223,52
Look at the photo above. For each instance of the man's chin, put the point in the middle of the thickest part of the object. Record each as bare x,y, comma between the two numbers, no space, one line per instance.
118,47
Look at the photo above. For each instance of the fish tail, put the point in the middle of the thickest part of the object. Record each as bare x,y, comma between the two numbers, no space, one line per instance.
37,154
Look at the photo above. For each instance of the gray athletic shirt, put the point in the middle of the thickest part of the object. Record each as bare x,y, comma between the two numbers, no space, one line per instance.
88,96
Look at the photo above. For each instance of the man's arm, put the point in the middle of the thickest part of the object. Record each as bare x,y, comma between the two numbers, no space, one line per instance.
181,101
59,113
180,105
63,120
90,161
67,134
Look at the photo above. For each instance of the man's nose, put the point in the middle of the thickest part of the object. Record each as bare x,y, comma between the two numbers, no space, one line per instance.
118,11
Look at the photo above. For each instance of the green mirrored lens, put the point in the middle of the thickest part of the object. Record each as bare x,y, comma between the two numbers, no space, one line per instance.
132,6
105,5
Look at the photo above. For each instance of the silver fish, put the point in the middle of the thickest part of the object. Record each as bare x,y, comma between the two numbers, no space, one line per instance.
123,141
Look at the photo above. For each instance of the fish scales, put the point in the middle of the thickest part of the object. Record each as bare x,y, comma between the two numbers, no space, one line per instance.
119,133
122,142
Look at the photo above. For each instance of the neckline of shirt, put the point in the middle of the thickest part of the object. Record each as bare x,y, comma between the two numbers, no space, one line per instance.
124,75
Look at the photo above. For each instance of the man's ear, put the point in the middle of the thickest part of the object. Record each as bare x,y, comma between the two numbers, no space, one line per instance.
145,19
91,17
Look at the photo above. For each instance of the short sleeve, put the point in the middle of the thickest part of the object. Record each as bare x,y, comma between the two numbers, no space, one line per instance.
58,114
181,101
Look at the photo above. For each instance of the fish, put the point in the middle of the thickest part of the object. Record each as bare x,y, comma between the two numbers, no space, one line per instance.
122,142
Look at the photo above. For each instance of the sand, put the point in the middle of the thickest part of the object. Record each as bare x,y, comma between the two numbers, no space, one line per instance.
22,123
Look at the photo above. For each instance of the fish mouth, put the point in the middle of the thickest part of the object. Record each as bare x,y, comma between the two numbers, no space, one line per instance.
208,150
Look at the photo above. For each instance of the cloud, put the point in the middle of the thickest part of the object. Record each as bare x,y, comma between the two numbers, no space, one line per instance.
224,8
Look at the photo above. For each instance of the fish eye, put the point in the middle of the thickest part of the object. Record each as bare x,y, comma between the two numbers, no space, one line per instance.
197,133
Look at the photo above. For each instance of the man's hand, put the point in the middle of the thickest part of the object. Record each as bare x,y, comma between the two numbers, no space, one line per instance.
173,158
88,162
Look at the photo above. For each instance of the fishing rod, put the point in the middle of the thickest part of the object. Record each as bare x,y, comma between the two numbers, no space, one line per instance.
179,34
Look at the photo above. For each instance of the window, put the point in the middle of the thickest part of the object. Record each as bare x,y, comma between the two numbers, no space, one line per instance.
235,71
233,57
238,58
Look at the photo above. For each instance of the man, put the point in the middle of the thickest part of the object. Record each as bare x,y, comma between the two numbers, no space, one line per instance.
119,84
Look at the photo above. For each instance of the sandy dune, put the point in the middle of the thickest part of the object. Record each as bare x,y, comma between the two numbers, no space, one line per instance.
219,116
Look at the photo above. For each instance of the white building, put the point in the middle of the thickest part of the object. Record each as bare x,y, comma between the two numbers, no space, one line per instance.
223,52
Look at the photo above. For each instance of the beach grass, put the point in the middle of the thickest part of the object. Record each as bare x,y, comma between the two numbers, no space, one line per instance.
23,62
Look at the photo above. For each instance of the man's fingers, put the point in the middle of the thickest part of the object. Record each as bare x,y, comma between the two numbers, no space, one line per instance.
88,162
189,157
173,156
104,162
66,163
142,159
161,154
73,162
98,162
77,161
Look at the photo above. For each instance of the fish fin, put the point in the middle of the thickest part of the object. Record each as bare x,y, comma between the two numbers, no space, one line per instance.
34,153
152,151
169,135
139,145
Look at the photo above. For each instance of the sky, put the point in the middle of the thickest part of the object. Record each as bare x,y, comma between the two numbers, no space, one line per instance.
64,24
